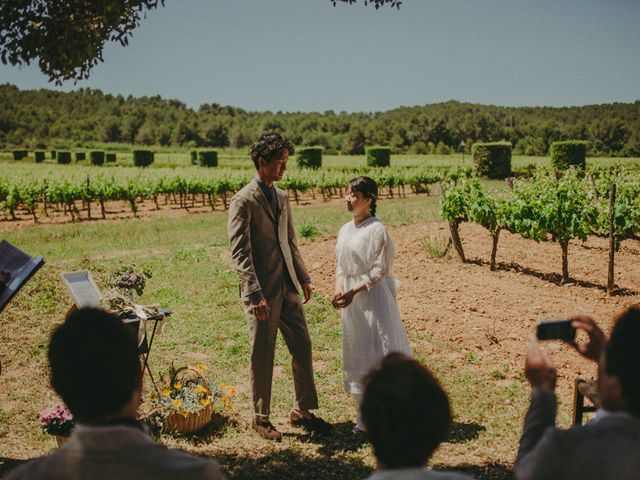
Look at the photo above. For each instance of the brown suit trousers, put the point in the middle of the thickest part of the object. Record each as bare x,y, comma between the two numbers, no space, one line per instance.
267,258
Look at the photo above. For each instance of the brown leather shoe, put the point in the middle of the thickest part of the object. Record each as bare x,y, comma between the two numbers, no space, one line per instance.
312,424
266,430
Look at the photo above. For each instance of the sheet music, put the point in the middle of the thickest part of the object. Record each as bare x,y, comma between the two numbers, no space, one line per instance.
20,268
83,289
12,258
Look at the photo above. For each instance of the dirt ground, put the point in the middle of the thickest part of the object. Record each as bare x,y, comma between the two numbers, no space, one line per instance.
494,313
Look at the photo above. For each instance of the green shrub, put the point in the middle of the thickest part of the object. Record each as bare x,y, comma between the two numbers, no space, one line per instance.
142,158
208,158
20,154
492,160
64,158
39,156
110,157
307,230
436,246
571,153
378,156
194,157
80,156
53,154
97,157
309,157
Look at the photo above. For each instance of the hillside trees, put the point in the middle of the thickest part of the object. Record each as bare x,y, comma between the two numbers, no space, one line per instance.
30,117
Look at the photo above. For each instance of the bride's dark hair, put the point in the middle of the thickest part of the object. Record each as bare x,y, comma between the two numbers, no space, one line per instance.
367,187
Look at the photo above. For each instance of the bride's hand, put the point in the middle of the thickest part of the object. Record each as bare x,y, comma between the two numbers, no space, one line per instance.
344,300
334,300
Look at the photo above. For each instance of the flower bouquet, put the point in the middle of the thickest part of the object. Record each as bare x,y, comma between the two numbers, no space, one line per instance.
123,282
187,401
57,421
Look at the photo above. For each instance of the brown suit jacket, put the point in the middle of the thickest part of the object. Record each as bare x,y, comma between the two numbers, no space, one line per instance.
259,242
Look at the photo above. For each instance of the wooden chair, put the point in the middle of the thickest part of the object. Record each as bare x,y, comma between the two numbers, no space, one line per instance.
584,389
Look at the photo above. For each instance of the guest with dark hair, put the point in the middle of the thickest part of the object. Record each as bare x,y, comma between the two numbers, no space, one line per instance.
608,447
95,370
406,414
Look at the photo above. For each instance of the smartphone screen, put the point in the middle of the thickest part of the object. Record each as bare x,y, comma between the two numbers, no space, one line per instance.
555,330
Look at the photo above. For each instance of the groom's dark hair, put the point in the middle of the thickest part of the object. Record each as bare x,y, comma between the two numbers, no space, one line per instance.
270,146
405,411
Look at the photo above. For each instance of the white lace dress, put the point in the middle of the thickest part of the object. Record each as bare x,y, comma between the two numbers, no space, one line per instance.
371,324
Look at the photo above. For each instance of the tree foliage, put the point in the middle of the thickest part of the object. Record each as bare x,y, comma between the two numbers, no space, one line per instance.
29,118
67,37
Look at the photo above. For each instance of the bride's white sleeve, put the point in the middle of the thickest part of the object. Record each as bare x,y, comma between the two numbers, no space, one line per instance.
381,254
340,285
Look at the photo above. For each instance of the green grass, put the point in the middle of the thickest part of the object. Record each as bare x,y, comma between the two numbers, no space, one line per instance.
187,255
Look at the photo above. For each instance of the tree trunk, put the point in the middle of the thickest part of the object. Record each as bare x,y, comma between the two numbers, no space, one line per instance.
494,249
612,241
457,243
565,261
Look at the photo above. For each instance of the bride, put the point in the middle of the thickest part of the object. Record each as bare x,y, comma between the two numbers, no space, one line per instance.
365,290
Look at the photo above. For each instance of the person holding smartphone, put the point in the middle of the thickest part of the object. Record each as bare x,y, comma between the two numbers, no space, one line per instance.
609,445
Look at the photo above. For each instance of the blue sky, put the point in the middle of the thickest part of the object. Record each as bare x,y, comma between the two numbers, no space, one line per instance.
306,55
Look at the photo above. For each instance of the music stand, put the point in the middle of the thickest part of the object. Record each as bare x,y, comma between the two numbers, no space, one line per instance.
85,293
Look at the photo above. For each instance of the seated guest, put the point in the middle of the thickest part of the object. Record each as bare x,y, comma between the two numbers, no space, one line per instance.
96,371
406,415
608,447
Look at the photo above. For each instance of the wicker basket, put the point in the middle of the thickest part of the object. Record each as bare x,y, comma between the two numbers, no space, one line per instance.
193,421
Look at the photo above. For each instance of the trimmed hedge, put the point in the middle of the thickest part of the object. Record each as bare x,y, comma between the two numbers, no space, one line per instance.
570,153
39,156
20,154
96,157
80,156
64,158
378,156
110,157
194,157
309,157
142,158
208,158
493,159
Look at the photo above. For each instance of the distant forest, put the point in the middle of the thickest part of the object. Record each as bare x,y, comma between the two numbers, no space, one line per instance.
36,119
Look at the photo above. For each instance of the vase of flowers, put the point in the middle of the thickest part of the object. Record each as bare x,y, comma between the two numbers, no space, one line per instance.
57,421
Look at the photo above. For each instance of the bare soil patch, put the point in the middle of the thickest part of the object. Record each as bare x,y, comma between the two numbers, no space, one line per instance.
491,315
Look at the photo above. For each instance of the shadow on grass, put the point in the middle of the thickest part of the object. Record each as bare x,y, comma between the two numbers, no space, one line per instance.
7,464
464,432
289,464
551,277
341,440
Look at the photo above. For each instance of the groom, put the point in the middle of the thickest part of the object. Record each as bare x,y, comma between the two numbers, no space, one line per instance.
272,275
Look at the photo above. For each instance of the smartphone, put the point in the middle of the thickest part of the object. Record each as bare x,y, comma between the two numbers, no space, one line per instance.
555,330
